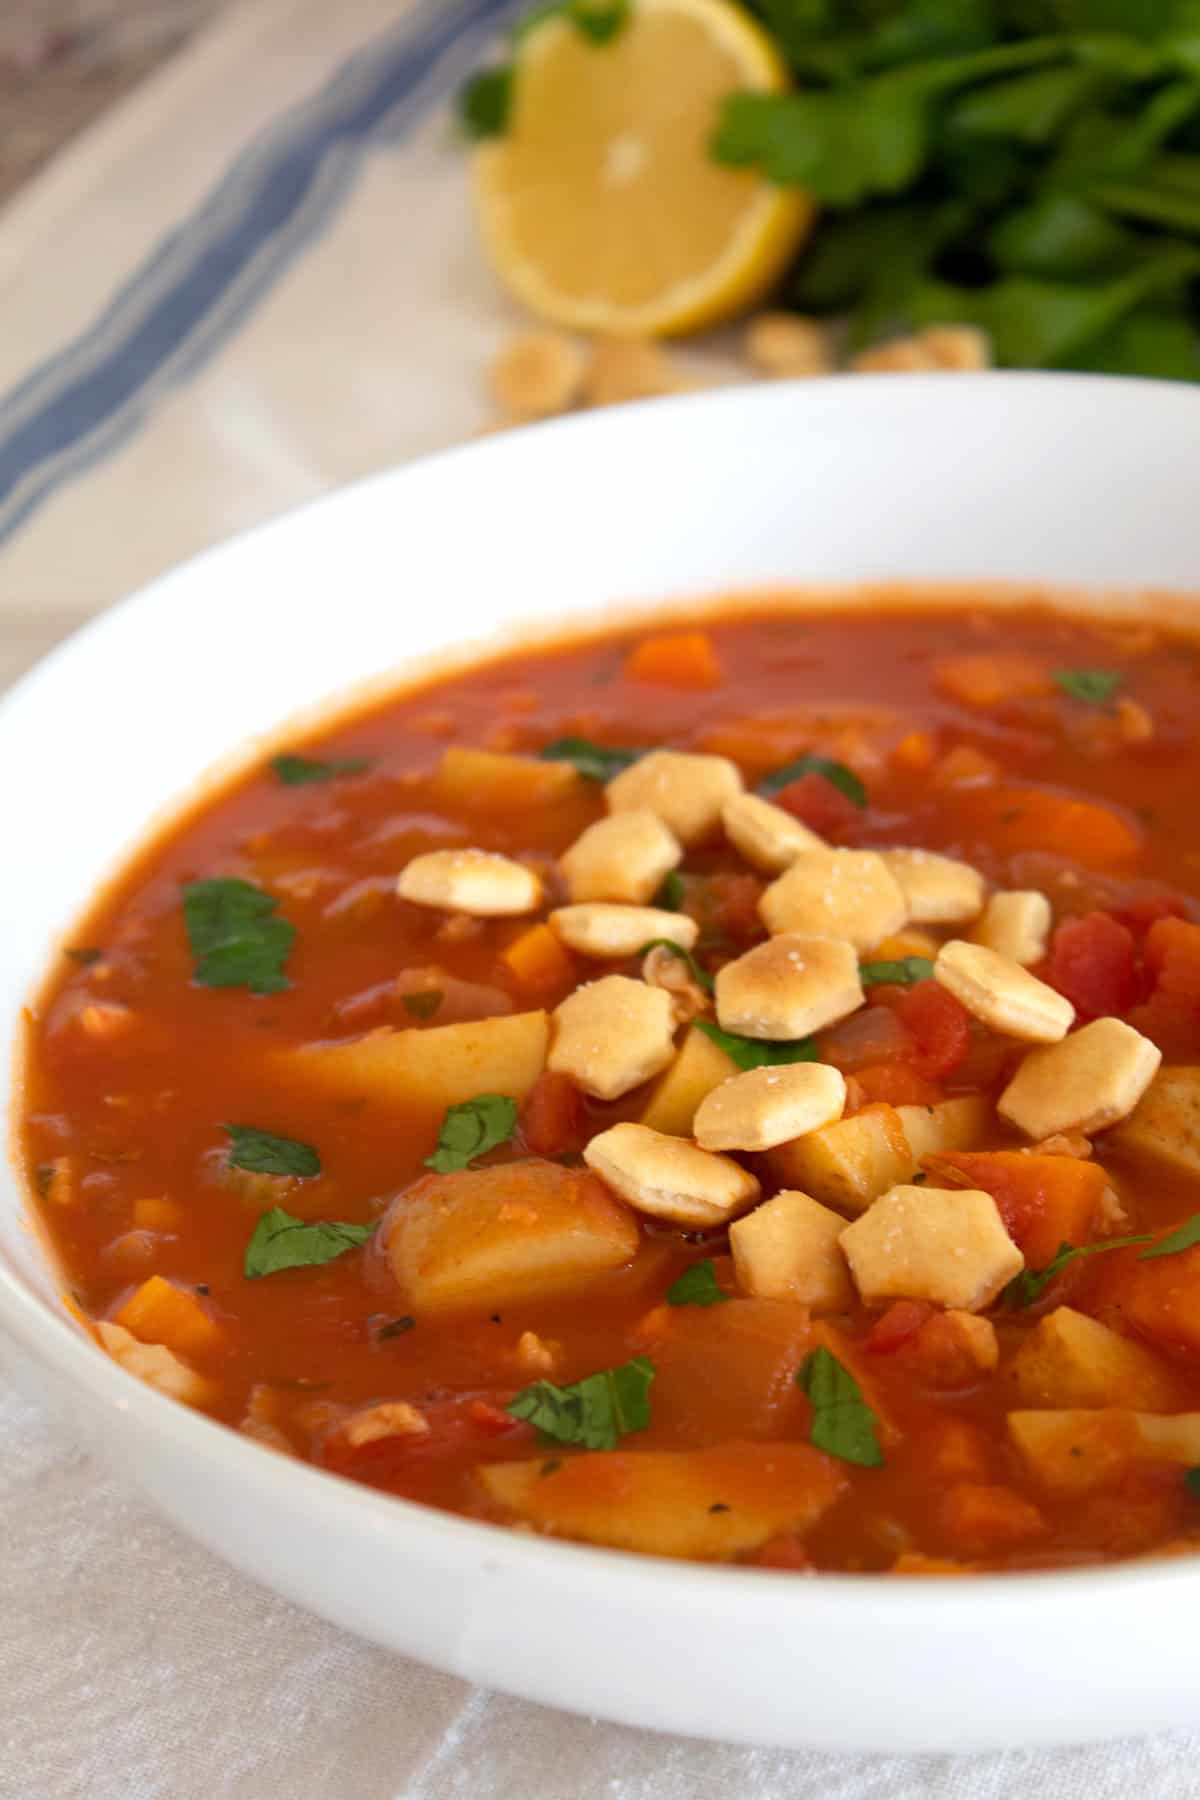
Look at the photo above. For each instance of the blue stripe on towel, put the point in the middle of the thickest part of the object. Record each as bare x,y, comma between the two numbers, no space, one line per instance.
189,297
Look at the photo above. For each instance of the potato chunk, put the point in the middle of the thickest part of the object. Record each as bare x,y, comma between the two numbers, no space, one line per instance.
788,1249
487,1237
850,1163
787,987
1166,1125
485,781
669,1178
850,894
705,1504
947,1245
1094,1078
157,1366
612,1035
699,1068
436,1068
1071,1360
1076,1451
687,792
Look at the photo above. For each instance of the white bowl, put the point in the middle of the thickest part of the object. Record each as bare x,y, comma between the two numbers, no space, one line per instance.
1018,478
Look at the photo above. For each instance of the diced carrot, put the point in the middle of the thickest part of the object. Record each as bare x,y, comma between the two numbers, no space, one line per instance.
758,743
953,1350
784,1551
897,1084
1172,952
552,1116
1092,962
964,766
1158,1299
161,1313
158,1214
983,1520
683,659
1044,1201
897,1326
1030,818
990,677
956,1449
915,752
941,1026
540,961
817,804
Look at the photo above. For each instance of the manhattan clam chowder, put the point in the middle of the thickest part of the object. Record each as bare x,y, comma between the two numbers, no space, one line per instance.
730,1093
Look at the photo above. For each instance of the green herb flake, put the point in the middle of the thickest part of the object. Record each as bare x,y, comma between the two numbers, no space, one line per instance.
720,1506
595,1412
843,1424
1184,1237
836,773
484,102
595,762
600,21
902,973
303,771
85,956
1029,1286
470,1129
262,1153
283,1242
697,1286
235,937
700,976
1093,686
395,1328
43,1179
424,1004
751,1053
670,895
1191,1481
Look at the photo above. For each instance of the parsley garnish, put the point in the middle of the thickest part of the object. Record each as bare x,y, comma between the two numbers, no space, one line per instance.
1184,1237
300,771
750,1053
595,1412
265,1154
235,938
699,975
842,778
394,1328
484,101
697,1286
901,973
1093,686
44,1177
596,762
283,1242
670,895
86,956
424,1004
1191,1481
471,1128
843,1424
1031,1284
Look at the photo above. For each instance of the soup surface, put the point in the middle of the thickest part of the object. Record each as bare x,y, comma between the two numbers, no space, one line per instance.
651,1148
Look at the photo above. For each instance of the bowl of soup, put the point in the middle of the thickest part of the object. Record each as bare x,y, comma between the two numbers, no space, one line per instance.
605,1058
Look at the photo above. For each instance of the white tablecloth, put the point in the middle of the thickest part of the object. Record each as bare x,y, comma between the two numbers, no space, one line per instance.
255,281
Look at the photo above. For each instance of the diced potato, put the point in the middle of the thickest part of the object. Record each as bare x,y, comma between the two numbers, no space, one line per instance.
1074,1452
1166,1125
487,1237
726,1371
438,1067
699,1068
486,781
788,1250
1071,1360
946,1245
706,1504
157,1366
850,1163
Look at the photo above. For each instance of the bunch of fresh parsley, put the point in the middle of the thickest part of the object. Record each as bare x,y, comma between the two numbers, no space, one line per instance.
1031,167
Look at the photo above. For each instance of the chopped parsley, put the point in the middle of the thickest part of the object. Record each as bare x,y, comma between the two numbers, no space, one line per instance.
750,1053
262,1153
1092,686
235,937
595,762
595,1412
843,1424
395,1328
470,1129
670,895
424,1004
283,1242
44,1177
840,777
697,1286
698,975
484,101
85,956
1027,1287
1184,1237
1191,1481
901,973
301,771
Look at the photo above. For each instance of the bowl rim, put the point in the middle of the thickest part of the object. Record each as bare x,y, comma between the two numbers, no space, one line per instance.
48,1335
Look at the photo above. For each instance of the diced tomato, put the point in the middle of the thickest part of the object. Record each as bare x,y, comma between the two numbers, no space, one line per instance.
731,906
817,804
455,1426
897,1326
784,1551
940,1025
896,1084
1172,1021
489,1417
982,1520
552,1116
868,1038
1092,962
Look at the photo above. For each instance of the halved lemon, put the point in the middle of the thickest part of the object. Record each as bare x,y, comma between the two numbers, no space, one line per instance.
601,207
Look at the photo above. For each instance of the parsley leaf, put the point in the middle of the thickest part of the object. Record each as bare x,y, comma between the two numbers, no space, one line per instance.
698,975
902,973
484,101
1031,1284
670,895
697,1286
300,771
1094,686
1191,1481
264,1154
471,1128
424,1004
234,937
842,778
395,1328
595,1412
595,762
599,20
1184,1237
750,1053
283,1242
843,1424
